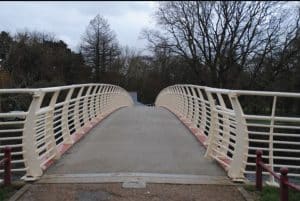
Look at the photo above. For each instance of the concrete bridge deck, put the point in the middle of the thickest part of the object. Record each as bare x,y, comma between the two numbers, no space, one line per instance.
137,139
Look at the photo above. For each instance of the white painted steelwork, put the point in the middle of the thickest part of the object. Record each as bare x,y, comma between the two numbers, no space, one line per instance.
218,119
57,117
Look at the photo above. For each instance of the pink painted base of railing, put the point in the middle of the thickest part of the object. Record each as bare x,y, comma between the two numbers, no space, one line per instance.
79,135
199,134
196,131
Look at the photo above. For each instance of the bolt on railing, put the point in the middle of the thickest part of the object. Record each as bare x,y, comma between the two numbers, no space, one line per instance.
222,121
56,118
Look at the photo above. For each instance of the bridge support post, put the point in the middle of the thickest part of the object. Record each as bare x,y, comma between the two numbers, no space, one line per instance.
31,157
239,158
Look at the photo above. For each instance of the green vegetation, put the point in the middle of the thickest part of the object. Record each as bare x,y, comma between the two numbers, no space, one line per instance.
270,193
7,192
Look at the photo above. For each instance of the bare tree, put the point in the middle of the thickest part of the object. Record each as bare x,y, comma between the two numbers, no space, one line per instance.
223,36
99,46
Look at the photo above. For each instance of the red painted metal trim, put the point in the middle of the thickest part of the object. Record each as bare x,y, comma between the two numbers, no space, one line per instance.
3,161
258,171
267,168
6,162
283,178
48,164
284,189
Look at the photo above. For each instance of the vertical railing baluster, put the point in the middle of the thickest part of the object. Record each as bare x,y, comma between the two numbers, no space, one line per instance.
203,111
178,100
101,90
30,155
186,102
173,98
213,126
226,127
77,112
92,102
190,104
65,119
50,125
271,152
239,158
86,105
104,105
196,107
97,100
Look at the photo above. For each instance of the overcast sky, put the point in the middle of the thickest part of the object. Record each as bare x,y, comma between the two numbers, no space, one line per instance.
68,20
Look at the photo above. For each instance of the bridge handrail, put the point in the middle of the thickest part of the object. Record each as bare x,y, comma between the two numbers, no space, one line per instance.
56,118
217,117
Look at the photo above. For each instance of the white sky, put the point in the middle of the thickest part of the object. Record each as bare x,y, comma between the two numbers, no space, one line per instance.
68,20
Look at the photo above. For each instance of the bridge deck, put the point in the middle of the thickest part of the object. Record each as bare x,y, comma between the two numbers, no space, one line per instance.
138,139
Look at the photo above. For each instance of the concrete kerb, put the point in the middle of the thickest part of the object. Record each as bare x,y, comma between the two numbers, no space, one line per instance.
151,178
247,196
20,192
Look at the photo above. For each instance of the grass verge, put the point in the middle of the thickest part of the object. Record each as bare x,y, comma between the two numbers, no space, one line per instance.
7,191
270,193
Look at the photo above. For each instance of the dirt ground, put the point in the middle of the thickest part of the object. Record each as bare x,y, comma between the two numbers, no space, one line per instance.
115,192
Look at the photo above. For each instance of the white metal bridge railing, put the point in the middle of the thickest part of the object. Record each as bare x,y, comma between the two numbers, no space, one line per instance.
56,118
233,124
